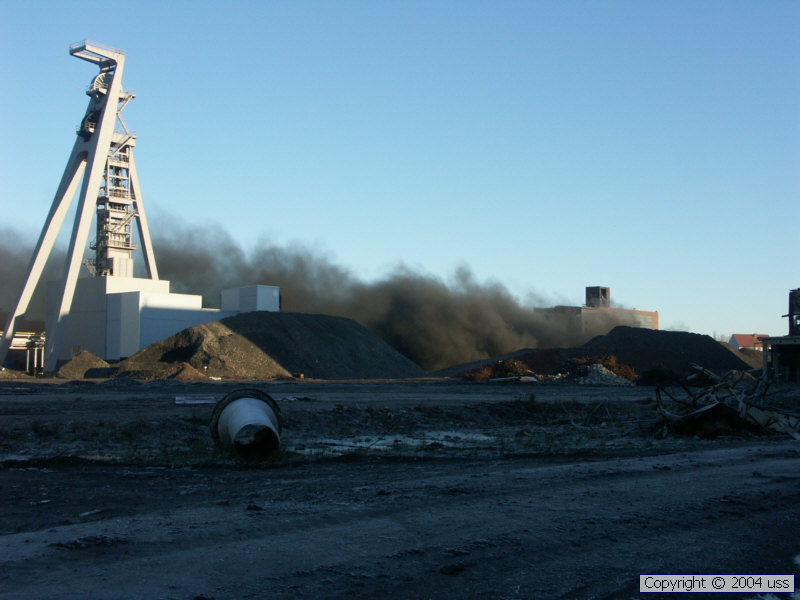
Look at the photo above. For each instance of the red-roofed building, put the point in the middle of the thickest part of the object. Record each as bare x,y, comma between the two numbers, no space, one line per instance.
747,341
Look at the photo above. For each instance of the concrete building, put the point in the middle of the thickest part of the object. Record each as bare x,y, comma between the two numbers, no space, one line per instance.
115,317
597,316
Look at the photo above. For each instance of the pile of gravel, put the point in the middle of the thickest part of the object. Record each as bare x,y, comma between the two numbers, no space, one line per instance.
268,345
181,372
85,365
213,349
595,374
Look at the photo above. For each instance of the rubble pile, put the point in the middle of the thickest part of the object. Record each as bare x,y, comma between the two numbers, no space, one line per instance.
538,361
708,405
595,374
498,369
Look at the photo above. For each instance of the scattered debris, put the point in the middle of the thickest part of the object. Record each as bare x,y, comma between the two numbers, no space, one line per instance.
708,421
775,420
498,371
595,374
721,407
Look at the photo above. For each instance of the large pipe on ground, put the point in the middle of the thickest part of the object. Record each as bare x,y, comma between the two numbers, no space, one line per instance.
248,423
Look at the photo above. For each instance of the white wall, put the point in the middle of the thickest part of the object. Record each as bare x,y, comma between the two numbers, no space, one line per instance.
115,317
122,338
138,319
251,298
159,323
88,321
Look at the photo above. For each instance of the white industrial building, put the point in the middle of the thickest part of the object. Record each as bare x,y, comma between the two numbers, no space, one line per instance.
114,317
111,313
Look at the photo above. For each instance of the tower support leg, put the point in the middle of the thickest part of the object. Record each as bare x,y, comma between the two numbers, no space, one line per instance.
141,222
73,174
77,244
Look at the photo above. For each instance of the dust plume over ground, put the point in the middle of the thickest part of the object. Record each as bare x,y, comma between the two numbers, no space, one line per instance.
434,323
16,251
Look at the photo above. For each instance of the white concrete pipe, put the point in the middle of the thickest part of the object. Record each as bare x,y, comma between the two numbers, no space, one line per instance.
247,422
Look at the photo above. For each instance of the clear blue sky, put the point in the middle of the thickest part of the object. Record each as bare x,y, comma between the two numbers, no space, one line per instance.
652,147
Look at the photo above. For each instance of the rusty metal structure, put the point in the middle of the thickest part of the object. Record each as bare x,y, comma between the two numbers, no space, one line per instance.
598,297
781,362
794,312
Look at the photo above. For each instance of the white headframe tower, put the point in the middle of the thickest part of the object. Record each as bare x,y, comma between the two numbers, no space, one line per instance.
102,163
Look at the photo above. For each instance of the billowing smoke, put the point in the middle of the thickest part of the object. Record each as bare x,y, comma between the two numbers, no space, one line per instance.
15,256
15,253
434,323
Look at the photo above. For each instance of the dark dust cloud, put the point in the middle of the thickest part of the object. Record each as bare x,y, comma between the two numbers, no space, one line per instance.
434,323
16,251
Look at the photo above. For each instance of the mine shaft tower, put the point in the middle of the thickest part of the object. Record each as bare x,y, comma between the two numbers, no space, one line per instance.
102,163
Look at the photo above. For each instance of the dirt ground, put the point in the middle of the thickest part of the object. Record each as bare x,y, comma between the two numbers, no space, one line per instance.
404,489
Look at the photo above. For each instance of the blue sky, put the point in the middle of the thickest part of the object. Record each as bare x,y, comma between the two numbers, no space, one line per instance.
652,147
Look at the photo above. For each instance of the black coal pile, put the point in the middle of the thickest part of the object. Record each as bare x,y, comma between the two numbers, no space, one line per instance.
673,351
633,353
266,345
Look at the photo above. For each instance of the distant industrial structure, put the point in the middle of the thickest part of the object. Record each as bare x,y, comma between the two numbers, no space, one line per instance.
597,316
782,354
110,312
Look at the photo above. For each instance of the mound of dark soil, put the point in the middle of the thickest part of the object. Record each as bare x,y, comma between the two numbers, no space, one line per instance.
655,356
538,361
85,365
547,361
648,349
266,345
754,358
